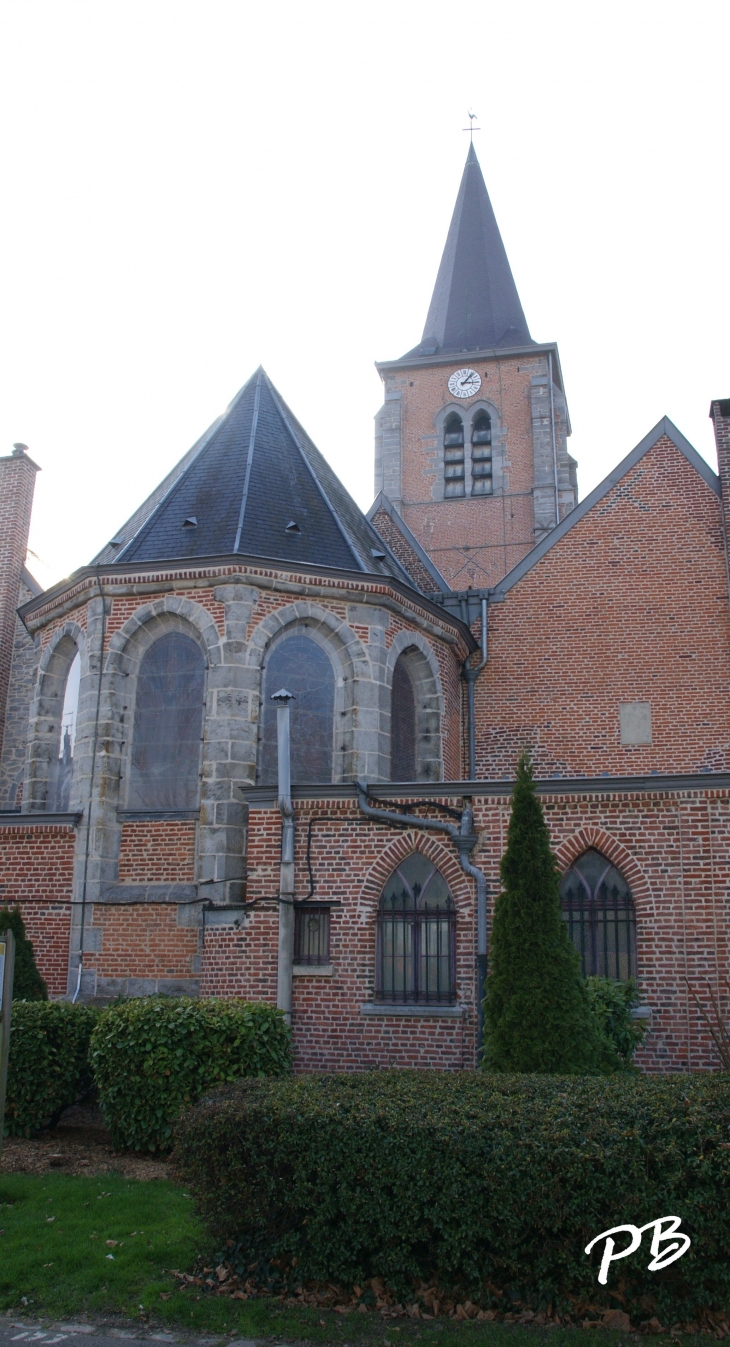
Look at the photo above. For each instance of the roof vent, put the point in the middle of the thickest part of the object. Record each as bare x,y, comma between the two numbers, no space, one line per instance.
19,450
191,522
293,527
379,556
116,542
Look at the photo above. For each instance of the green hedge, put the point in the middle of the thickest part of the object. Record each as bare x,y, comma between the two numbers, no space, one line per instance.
48,1067
489,1185
153,1056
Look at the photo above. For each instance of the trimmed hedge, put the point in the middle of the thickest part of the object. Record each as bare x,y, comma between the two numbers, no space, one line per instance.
490,1185
48,1066
153,1056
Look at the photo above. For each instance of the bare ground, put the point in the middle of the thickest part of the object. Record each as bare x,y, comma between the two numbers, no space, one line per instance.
79,1144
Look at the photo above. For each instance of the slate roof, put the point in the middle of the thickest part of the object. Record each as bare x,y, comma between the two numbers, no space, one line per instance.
475,304
255,472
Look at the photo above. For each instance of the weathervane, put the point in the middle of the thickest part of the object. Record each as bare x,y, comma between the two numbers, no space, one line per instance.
471,128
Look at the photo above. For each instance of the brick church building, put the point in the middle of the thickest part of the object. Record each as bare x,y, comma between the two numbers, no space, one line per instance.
477,608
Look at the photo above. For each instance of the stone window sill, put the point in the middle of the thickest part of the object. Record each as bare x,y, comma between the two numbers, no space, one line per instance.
313,970
411,1012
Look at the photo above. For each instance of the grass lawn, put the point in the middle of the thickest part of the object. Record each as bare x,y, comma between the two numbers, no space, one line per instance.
54,1252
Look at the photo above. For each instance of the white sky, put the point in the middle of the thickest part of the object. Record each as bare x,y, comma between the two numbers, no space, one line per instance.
194,187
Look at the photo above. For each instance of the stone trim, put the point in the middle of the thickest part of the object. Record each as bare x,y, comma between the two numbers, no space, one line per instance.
415,1012
313,970
695,783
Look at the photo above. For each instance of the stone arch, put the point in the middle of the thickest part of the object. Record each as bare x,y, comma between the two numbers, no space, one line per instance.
425,674
44,730
353,673
593,837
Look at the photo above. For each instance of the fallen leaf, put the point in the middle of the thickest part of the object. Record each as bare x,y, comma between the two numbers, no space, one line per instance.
110,1255
112,1243
617,1319
49,1219
165,1295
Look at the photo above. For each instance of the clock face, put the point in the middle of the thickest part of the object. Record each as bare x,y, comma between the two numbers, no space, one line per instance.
464,383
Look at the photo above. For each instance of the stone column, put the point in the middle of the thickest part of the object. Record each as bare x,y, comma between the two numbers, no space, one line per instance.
17,484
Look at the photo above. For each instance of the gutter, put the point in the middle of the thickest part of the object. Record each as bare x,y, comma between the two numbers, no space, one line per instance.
464,839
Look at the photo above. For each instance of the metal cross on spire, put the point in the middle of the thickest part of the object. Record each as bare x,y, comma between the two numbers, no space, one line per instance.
471,128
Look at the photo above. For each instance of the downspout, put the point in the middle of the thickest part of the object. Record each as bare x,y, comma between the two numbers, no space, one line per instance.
555,447
471,675
286,865
91,785
464,839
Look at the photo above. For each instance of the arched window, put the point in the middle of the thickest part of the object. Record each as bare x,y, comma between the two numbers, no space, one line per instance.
454,456
59,784
596,903
402,724
168,721
481,455
303,667
416,953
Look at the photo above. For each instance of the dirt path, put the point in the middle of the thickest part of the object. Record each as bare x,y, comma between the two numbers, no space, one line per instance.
80,1144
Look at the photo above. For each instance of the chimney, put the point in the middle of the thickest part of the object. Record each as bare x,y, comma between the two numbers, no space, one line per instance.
17,483
720,415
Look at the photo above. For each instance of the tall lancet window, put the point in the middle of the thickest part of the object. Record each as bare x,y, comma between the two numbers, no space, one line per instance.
481,455
168,724
303,667
402,724
454,456
599,910
59,786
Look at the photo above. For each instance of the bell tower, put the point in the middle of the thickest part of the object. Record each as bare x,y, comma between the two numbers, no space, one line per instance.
471,442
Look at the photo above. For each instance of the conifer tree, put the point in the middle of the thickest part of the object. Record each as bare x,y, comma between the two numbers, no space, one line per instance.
28,985
537,1015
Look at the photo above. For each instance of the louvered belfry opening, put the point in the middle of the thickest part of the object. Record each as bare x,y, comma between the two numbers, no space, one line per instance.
168,725
596,903
416,937
403,765
454,456
481,455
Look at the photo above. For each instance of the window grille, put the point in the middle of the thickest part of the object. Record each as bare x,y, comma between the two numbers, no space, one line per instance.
416,944
481,455
597,905
303,667
311,935
168,724
402,724
454,456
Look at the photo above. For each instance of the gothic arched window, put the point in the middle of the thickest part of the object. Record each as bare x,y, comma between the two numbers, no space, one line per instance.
303,667
61,774
402,724
164,770
454,456
416,948
597,905
481,455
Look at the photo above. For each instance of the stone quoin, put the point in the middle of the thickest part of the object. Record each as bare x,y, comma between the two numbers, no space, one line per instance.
479,608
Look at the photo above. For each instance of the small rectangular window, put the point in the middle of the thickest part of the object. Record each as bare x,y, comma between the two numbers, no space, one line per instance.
311,934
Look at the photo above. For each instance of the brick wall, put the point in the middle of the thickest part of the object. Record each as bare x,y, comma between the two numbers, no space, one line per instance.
630,606
673,847
142,941
36,875
157,851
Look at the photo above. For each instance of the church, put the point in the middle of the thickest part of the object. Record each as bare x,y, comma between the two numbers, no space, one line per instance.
478,609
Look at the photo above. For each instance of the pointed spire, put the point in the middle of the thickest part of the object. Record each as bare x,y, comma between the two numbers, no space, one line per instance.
475,304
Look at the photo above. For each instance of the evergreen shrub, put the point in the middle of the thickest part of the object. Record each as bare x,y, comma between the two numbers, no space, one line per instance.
536,1011
611,1003
28,985
153,1056
48,1066
492,1185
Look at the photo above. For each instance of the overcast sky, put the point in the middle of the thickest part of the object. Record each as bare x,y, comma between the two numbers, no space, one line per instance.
194,187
